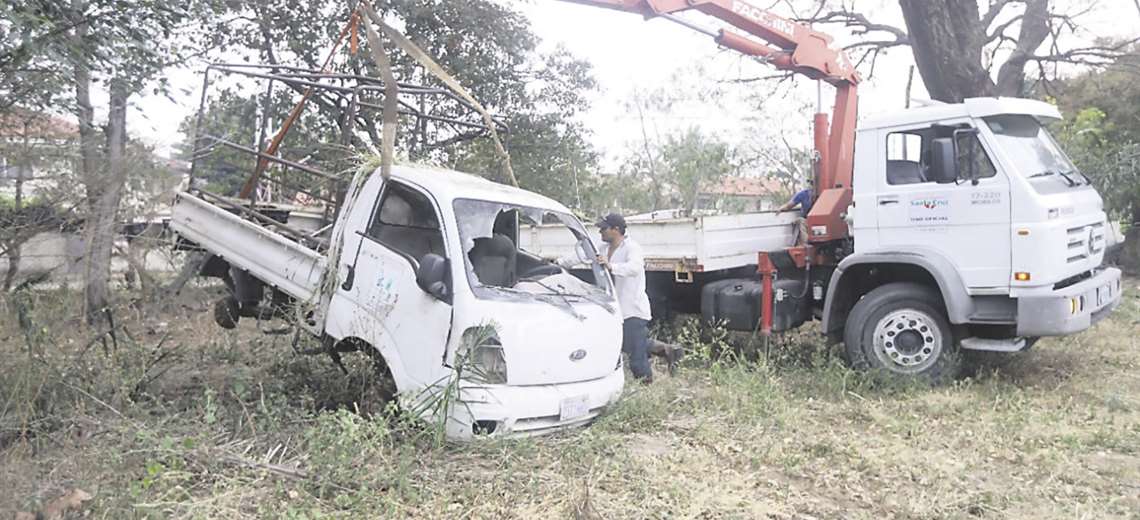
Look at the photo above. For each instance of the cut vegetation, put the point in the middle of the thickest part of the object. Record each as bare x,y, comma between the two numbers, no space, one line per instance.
176,418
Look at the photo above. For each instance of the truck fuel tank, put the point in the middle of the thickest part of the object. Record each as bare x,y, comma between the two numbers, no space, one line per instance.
737,302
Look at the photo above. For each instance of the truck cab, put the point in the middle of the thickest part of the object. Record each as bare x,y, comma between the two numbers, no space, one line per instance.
979,206
442,290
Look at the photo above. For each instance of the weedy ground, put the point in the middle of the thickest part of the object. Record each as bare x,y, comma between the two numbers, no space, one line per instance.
176,418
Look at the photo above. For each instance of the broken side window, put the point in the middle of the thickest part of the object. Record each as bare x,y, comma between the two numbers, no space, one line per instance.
406,222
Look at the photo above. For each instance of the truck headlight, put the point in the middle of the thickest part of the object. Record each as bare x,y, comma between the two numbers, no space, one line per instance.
491,364
480,357
484,364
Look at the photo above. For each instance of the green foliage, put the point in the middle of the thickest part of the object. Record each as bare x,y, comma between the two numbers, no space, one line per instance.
674,173
1101,133
668,168
706,344
488,46
128,39
344,446
548,146
1113,165
30,53
692,160
235,116
35,212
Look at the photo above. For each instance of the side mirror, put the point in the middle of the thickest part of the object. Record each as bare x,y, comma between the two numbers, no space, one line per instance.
433,276
943,163
966,152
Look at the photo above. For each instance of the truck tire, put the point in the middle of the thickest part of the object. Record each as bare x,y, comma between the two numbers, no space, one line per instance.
901,328
383,389
226,312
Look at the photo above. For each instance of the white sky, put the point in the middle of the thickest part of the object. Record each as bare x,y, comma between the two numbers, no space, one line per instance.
630,54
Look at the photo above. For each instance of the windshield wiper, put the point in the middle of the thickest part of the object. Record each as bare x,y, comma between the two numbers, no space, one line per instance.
1068,180
1088,181
566,296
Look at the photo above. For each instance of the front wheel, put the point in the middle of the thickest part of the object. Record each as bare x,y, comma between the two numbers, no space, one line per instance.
901,328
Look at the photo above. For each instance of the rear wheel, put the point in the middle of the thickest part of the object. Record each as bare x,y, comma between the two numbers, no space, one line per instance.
901,328
226,312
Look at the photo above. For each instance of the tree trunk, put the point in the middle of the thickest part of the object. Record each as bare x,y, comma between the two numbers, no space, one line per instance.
947,39
88,146
12,251
100,229
191,267
13,244
1034,30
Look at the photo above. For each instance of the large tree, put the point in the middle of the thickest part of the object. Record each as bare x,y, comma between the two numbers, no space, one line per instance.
962,50
488,47
125,45
62,53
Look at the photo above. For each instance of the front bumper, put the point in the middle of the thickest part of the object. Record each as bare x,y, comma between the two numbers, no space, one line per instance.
1071,309
528,410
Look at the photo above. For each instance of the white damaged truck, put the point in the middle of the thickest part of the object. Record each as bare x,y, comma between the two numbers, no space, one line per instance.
423,269
418,267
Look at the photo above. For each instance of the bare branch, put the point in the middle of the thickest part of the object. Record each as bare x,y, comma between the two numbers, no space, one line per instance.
1093,55
999,31
995,9
879,44
859,24
781,77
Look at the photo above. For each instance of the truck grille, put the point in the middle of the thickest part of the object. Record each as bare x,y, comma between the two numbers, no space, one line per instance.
1085,241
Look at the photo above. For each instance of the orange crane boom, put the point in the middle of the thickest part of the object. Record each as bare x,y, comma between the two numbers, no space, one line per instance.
792,46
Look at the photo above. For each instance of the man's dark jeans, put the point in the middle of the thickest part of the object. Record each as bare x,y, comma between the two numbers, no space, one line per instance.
635,342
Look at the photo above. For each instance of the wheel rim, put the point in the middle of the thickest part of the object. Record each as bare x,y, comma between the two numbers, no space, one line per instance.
907,341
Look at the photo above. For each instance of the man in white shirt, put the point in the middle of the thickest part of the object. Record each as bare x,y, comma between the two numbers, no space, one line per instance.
623,258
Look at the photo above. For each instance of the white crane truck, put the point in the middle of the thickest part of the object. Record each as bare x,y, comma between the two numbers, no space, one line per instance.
937,228
970,228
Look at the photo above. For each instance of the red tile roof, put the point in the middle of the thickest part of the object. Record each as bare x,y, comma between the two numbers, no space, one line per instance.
37,125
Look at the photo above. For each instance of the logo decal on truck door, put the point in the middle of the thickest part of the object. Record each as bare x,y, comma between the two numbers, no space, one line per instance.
929,210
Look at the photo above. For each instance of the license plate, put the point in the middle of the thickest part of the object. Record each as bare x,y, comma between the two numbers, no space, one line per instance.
1103,295
573,407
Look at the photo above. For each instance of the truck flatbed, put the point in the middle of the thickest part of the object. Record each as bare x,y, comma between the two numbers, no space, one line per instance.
267,255
693,244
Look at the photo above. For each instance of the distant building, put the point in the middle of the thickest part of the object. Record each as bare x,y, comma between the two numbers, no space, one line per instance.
39,156
742,195
36,151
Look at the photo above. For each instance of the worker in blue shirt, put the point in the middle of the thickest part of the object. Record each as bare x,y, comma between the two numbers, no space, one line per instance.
803,200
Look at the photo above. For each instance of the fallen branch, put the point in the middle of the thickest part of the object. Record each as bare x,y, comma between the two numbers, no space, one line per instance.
278,469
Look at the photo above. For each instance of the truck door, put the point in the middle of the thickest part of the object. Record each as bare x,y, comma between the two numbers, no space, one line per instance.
967,222
389,309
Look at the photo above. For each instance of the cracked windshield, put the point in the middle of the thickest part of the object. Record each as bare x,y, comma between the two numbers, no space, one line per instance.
519,250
